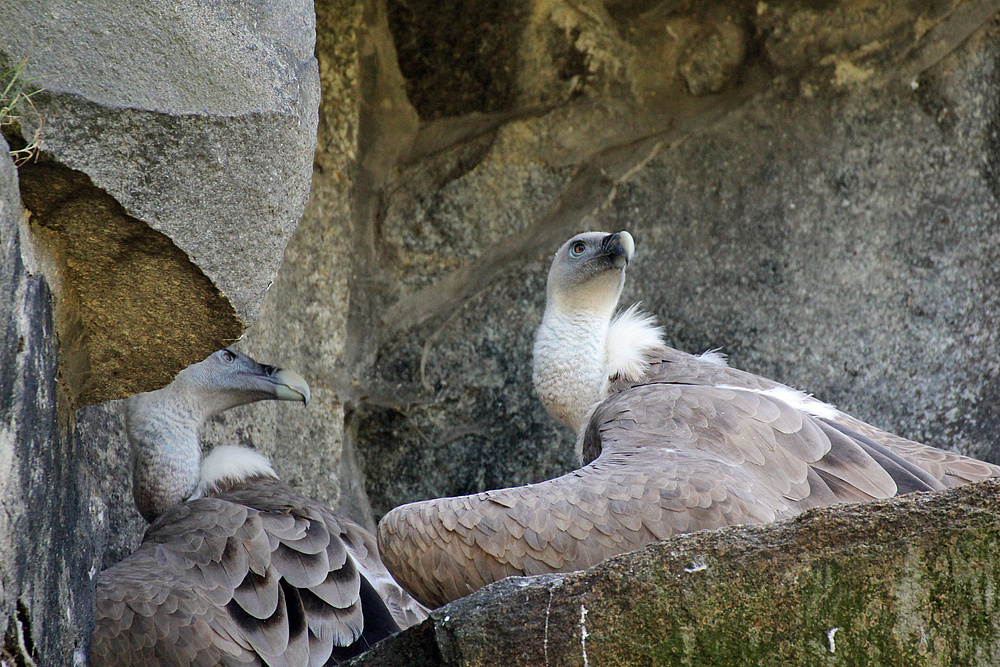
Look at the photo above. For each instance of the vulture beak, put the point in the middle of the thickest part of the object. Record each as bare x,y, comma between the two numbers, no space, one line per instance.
289,386
620,248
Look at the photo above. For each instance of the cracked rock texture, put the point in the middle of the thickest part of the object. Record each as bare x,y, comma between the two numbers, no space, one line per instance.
176,152
49,524
814,191
182,132
813,187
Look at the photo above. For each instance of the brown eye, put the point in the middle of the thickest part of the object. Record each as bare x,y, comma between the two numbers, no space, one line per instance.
228,356
578,248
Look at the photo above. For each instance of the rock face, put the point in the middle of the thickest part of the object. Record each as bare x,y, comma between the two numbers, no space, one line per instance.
49,525
175,158
813,590
813,187
814,191
177,152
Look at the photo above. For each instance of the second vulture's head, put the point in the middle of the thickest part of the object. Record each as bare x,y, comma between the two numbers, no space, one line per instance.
229,378
588,272
163,425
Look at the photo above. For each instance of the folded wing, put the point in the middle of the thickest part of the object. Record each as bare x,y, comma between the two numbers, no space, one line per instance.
256,575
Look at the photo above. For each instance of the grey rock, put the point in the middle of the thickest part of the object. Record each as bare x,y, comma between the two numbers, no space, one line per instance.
123,291
199,120
99,431
854,263
837,230
303,322
832,225
176,157
49,551
844,246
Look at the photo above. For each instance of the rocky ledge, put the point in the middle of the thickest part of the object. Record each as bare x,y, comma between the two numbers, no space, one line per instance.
909,581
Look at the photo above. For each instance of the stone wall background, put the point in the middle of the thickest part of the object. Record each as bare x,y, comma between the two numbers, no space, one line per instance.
812,188
176,152
813,191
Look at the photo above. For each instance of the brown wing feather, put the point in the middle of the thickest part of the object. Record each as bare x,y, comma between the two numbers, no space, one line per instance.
616,504
949,468
667,365
188,628
674,459
676,454
256,574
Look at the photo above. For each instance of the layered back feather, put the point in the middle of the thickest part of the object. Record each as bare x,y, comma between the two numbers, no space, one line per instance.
253,573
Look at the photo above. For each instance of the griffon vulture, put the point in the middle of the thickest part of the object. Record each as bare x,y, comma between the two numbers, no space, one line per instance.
672,443
236,568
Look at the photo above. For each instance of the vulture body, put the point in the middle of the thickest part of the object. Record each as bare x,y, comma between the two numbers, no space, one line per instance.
672,443
236,568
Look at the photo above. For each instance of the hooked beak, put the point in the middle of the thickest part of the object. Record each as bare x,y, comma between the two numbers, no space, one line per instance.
620,247
289,386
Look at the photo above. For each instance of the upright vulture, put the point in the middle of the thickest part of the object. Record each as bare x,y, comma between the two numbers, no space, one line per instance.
672,443
236,568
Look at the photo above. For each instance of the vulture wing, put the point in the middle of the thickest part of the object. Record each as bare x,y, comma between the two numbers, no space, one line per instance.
257,574
673,458
939,468
443,549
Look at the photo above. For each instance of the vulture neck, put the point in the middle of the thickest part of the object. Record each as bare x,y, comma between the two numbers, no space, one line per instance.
163,428
578,352
570,360
228,465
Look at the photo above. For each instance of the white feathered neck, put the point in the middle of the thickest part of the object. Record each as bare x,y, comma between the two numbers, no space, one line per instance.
231,464
164,435
577,354
632,335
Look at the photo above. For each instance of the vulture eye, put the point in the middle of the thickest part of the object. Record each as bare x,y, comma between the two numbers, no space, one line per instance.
578,248
228,356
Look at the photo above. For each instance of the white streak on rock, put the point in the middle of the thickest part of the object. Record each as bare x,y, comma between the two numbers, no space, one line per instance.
697,565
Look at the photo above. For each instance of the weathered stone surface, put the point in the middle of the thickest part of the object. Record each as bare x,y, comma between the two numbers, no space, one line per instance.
99,431
303,319
419,273
48,527
843,245
123,288
199,121
301,325
828,219
177,147
908,581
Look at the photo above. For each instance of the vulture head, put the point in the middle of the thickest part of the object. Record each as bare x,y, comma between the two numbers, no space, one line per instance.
229,378
163,426
588,272
570,361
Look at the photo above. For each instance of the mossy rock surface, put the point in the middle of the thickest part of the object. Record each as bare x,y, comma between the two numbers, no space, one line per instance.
910,581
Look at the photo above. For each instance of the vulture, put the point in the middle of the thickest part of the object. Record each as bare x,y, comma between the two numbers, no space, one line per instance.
672,443
235,568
